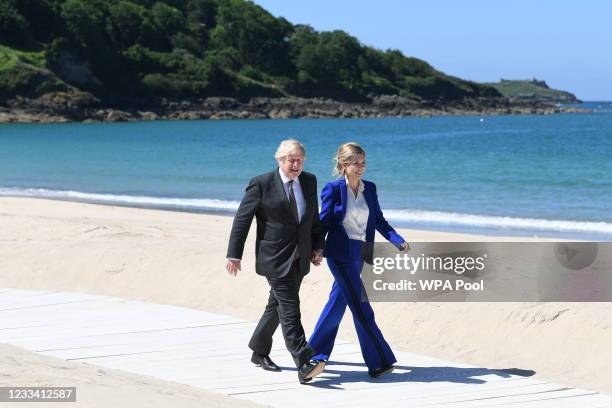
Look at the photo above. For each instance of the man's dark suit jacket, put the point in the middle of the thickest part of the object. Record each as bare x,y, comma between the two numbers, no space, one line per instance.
278,232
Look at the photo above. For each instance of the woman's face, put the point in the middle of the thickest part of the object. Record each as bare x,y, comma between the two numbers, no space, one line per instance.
357,168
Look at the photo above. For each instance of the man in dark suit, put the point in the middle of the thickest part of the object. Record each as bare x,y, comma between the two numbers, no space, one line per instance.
289,237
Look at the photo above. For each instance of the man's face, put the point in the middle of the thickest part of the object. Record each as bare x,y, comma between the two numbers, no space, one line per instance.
292,164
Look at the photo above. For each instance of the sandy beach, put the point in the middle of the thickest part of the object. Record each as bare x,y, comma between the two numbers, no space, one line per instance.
101,387
178,258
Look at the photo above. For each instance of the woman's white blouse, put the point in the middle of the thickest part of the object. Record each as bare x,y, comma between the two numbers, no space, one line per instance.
357,212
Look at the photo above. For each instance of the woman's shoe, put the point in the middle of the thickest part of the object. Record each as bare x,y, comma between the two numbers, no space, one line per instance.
381,371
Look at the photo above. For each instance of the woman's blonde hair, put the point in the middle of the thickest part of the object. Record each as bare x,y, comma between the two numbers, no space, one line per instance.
347,153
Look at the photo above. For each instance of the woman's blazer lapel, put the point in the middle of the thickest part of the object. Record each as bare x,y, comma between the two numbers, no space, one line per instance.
343,198
369,197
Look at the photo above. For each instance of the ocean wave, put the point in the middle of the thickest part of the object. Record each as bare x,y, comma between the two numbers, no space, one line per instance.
146,201
431,218
497,222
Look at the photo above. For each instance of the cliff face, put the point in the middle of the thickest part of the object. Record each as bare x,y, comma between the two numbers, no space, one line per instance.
197,49
533,90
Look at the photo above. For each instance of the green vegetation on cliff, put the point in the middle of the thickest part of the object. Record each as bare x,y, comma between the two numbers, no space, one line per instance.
532,90
24,73
197,48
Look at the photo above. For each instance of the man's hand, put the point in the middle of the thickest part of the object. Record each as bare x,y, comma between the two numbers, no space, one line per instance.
232,266
316,257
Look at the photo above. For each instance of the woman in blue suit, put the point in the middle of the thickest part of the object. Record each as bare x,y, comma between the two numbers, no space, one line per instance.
350,213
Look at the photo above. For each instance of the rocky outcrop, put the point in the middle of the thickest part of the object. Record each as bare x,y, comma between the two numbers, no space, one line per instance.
82,106
55,106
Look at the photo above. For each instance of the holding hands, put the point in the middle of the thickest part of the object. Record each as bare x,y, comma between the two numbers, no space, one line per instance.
232,266
316,257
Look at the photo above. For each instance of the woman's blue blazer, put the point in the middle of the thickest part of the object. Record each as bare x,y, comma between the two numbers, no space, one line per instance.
333,210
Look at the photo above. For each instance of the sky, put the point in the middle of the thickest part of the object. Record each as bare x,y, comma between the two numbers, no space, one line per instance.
567,43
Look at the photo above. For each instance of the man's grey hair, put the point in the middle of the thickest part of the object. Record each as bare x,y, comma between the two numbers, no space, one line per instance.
289,146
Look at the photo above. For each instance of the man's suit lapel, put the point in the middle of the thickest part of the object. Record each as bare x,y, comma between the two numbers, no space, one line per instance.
306,193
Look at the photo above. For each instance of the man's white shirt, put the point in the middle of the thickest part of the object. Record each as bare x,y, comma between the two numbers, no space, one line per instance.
297,192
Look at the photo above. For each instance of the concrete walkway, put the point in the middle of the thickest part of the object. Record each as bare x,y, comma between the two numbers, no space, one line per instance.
209,351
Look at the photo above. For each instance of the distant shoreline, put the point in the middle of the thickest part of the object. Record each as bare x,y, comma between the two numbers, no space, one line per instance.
67,107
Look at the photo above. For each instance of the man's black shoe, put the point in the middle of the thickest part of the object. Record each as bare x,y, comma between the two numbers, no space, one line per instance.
309,370
265,362
381,371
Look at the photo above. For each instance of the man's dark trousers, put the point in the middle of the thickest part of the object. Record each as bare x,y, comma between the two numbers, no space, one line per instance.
283,307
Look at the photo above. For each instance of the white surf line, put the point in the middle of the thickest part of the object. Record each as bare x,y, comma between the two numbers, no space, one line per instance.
210,351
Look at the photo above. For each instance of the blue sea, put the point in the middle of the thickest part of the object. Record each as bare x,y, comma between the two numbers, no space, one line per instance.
549,176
